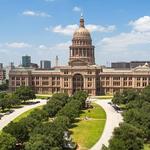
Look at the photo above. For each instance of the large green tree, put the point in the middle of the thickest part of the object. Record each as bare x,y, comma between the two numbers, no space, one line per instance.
25,93
126,137
7,141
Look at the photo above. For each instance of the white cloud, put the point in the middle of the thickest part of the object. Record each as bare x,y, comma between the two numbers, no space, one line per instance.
58,46
76,9
67,30
35,14
99,28
70,29
42,47
141,25
139,35
17,45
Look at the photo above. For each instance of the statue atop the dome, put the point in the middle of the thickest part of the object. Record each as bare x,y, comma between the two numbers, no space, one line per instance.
82,21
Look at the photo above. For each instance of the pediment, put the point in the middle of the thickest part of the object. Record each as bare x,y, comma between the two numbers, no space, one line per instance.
78,62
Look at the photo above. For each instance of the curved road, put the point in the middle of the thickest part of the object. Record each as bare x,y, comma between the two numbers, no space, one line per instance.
17,112
112,121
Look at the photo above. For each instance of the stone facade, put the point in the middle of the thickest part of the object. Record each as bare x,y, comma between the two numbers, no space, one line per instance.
81,73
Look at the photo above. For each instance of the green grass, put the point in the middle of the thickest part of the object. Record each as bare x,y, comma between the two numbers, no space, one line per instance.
147,147
103,97
87,132
25,114
43,96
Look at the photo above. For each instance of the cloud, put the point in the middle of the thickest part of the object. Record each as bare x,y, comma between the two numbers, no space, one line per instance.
70,29
99,28
17,45
67,30
76,9
139,35
58,46
35,14
141,25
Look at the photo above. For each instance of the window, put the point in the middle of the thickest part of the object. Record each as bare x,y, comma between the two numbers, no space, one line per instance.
125,78
37,82
144,84
13,78
45,83
107,83
45,78
17,78
124,83
89,72
89,84
144,79
65,79
107,78
130,83
116,83
138,84
89,79
130,78
138,78
116,78
66,72
37,78
66,84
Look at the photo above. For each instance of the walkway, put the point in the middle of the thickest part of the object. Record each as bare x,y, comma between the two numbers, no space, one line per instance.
8,118
112,121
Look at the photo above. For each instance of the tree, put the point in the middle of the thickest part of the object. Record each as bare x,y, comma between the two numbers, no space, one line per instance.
125,96
81,96
4,86
145,94
18,130
41,142
126,137
7,142
62,121
25,93
56,102
4,101
39,114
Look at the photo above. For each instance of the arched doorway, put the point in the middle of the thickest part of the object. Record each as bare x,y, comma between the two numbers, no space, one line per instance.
77,82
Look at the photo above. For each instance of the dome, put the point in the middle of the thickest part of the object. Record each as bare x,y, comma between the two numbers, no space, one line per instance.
82,32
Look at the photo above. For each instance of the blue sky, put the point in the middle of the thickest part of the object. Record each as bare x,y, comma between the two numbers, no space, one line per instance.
120,29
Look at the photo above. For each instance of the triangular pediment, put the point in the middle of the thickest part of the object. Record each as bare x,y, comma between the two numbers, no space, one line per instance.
78,62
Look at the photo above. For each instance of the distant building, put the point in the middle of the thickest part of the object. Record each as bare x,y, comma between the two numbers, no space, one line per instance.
1,66
134,64
2,75
34,65
45,64
120,65
128,65
8,68
26,61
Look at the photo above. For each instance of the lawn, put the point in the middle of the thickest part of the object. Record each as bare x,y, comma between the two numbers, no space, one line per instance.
87,132
147,147
43,96
25,114
103,97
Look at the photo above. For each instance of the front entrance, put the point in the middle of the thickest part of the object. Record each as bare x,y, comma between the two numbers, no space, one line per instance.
78,82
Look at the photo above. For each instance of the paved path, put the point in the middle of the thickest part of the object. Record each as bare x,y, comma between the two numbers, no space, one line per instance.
113,119
8,118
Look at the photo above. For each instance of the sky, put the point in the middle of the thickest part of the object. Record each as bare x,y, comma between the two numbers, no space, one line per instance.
120,29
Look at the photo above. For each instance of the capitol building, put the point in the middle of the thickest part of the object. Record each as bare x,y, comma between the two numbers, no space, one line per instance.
81,73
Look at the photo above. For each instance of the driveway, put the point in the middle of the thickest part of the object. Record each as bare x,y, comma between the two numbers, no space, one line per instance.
17,112
112,121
